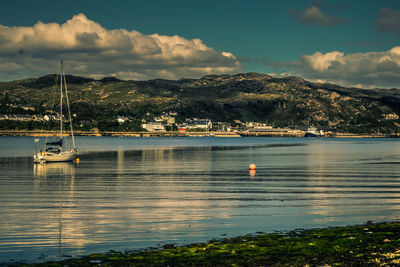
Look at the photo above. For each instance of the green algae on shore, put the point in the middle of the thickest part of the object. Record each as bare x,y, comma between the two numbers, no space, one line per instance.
361,245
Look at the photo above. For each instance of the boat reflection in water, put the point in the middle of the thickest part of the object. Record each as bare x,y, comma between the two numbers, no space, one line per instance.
58,181
53,169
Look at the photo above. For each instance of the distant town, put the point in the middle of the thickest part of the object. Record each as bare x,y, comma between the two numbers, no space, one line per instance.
167,125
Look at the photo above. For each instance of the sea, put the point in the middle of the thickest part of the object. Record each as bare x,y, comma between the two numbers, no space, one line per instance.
130,193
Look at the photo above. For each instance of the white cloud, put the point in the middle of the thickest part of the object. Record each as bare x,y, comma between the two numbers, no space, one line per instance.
371,69
321,62
90,49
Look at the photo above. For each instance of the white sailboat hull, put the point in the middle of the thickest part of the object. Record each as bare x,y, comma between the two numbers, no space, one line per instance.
63,156
54,150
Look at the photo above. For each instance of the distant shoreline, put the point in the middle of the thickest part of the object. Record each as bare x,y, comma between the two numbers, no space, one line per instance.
41,133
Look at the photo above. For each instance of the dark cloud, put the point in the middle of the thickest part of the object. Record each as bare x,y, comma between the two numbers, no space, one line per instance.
387,66
389,20
87,39
314,15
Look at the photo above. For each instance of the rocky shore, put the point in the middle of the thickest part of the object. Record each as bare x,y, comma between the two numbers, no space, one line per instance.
369,244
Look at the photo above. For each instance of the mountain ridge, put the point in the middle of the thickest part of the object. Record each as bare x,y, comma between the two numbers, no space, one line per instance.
279,101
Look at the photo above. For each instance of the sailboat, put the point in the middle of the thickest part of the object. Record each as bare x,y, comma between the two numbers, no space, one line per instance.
58,150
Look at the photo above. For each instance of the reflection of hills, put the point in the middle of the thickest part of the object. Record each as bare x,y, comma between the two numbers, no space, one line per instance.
135,199
152,194
173,159
139,193
339,183
16,163
176,160
162,160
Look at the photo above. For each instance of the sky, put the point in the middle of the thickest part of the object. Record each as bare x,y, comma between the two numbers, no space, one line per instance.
350,43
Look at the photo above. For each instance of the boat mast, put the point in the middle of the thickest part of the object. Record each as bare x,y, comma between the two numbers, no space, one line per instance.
69,110
61,99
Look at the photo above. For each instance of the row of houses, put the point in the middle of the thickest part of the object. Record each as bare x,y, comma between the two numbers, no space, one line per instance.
193,124
189,124
24,107
165,117
207,124
154,126
25,117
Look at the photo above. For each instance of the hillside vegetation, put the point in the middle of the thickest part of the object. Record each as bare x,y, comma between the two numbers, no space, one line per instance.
281,102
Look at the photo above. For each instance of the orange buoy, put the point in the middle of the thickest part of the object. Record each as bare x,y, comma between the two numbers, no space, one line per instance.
77,160
252,166
252,172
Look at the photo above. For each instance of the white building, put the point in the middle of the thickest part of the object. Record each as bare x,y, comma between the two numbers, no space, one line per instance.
198,123
153,127
122,119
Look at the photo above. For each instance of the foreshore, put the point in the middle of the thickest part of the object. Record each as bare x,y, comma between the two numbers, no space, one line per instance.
295,133
370,244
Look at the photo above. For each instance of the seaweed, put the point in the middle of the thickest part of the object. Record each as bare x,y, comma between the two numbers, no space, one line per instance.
370,244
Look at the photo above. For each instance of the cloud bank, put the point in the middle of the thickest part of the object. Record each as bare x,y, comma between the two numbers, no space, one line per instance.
91,50
367,70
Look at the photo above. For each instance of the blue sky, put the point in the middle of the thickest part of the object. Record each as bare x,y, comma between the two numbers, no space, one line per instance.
322,40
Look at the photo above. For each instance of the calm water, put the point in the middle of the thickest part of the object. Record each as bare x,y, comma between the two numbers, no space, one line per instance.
129,193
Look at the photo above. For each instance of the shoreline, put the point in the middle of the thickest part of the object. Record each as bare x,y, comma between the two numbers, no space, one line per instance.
298,134
372,244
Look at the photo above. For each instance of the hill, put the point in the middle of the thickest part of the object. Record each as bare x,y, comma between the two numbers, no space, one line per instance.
282,102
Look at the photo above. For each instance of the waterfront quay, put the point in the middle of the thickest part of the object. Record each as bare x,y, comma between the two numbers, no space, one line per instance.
294,133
